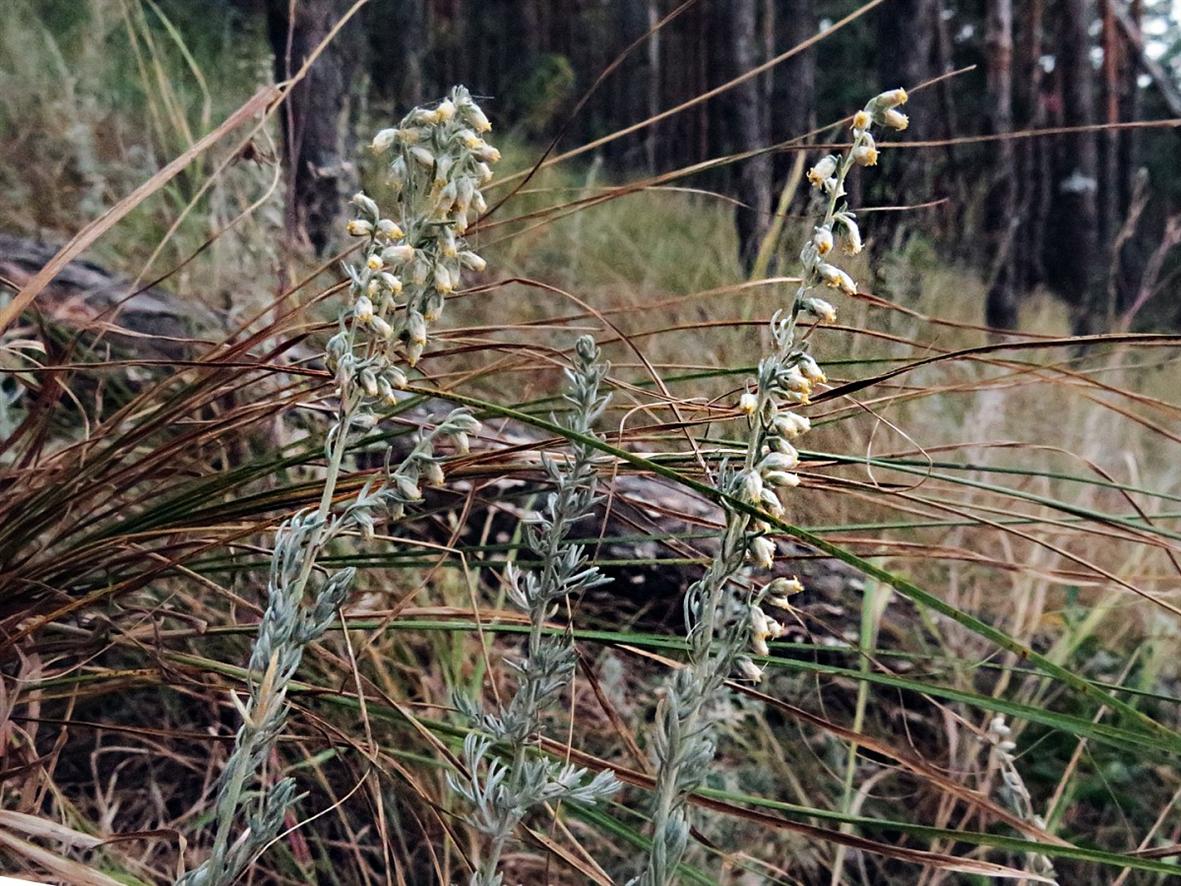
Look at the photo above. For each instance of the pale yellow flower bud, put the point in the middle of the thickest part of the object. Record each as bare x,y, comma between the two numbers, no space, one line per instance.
771,504
365,204
785,587
862,120
414,352
487,153
782,479
389,229
416,328
752,487
891,98
383,140
477,119
750,670
811,369
834,277
782,460
381,327
387,392
445,111
822,171
895,119
821,309
794,380
434,473
443,282
369,382
358,227
762,551
866,154
850,236
399,254
823,240
748,403
472,262
791,424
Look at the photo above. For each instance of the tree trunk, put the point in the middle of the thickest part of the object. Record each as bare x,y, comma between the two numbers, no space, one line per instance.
748,121
1110,209
634,83
1001,220
905,35
1073,234
793,93
313,121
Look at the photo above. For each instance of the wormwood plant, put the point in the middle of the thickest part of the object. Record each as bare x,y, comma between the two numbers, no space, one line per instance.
408,265
724,612
501,793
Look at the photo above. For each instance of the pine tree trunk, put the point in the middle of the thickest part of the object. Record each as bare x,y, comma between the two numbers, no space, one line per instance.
748,121
793,92
905,36
1110,209
1033,155
1001,220
314,119
1073,234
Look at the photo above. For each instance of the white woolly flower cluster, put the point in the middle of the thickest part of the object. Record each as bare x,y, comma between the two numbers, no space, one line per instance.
839,224
725,618
411,263
788,376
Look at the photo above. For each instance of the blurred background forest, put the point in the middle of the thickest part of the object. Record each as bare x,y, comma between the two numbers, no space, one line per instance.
1090,213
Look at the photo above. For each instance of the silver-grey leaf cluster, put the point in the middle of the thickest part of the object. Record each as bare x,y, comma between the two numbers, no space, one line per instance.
502,791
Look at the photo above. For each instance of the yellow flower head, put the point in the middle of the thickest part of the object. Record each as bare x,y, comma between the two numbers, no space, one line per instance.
822,171
866,155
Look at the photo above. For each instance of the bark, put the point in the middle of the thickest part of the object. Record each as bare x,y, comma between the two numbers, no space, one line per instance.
1129,23
1110,209
1033,155
1129,101
653,92
945,124
319,174
1073,235
905,38
1001,220
87,299
748,120
793,95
